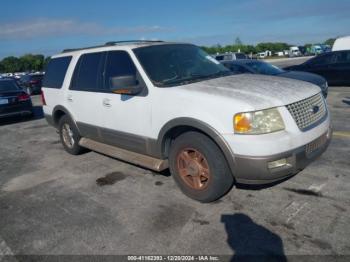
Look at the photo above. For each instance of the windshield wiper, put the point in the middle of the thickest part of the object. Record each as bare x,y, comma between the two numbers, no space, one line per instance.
194,77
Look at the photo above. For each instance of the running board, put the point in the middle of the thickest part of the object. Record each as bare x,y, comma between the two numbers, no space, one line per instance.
125,155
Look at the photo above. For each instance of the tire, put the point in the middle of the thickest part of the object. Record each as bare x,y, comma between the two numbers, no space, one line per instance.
199,167
69,136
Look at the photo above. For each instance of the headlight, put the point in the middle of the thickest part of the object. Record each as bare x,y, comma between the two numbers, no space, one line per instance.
258,122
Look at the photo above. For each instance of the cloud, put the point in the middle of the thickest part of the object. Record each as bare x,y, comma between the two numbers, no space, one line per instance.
62,27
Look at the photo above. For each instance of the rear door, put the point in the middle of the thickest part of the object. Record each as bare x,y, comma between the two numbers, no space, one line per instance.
85,95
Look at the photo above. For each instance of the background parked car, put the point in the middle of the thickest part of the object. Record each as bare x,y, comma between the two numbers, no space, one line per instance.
230,56
334,66
13,100
31,83
260,67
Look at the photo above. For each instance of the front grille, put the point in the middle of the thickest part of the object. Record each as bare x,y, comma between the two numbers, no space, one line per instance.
308,112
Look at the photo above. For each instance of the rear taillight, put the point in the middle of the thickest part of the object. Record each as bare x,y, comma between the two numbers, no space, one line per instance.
23,97
34,81
42,98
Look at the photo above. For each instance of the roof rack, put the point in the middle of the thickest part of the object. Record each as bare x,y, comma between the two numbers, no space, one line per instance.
132,41
111,44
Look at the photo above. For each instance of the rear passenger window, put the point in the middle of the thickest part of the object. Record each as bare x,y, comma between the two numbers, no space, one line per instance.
56,72
88,72
118,63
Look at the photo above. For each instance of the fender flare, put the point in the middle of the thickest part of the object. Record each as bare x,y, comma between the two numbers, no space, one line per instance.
204,128
66,111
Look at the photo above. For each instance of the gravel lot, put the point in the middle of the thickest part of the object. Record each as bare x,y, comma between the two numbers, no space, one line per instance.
55,203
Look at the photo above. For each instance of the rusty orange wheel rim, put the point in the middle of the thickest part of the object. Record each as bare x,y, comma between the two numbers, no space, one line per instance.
193,168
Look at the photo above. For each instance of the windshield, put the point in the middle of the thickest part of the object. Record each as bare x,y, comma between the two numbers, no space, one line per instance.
178,64
8,85
265,68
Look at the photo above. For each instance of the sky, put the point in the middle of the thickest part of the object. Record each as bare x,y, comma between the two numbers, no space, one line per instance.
47,27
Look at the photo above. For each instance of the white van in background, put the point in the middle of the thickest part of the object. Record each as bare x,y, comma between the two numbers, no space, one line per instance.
342,43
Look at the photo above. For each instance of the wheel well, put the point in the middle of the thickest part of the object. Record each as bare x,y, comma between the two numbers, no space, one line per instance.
173,133
57,116
176,131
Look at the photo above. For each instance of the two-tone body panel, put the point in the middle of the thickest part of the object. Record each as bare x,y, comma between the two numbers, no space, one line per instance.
141,123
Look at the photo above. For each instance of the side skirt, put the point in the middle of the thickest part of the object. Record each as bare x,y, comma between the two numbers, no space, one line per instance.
125,155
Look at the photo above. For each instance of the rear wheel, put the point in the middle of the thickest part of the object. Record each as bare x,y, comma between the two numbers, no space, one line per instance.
199,167
69,136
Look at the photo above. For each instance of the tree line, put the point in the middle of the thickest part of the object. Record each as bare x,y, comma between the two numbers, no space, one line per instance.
30,62
25,63
260,47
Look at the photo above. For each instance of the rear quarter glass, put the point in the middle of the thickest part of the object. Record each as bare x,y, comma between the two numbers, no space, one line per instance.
56,72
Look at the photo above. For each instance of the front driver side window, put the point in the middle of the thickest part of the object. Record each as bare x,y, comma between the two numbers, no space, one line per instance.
118,63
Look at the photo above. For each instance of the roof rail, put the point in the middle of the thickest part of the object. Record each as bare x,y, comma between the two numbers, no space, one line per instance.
81,48
132,41
111,44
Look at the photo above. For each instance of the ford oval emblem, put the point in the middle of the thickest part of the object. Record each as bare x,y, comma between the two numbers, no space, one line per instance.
315,109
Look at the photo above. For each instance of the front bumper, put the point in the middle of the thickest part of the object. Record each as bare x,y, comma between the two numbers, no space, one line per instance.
255,170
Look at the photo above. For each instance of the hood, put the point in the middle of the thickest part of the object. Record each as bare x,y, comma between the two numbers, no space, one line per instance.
256,91
304,76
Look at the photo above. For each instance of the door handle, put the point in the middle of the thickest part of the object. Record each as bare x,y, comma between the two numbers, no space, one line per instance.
70,98
106,102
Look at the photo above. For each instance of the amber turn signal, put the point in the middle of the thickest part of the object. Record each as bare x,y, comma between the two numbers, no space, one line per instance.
242,123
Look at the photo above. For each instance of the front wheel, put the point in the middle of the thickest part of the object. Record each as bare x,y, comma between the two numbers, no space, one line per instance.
199,167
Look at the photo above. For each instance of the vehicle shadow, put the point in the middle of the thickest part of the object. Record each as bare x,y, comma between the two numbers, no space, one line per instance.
38,113
262,186
250,241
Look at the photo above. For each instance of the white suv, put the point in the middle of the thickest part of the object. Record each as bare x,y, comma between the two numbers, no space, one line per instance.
170,105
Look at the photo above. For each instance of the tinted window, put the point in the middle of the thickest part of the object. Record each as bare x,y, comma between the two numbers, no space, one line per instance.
322,60
88,72
240,56
342,57
118,63
56,71
219,57
37,77
178,64
25,78
236,68
8,85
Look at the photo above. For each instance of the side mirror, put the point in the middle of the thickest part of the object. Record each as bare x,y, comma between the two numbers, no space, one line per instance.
126,85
